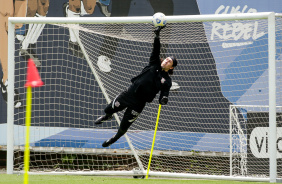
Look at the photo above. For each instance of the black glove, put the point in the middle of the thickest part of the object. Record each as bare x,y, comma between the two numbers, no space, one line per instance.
163,101
158,30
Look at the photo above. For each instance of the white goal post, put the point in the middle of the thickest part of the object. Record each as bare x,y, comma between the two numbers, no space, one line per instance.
223,61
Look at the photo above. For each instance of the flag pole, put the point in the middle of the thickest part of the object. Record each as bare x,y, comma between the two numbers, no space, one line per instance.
33,80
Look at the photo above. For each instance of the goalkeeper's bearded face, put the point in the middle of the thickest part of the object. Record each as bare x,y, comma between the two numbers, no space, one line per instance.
167,64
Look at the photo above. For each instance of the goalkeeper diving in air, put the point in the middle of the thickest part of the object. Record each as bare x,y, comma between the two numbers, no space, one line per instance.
154,77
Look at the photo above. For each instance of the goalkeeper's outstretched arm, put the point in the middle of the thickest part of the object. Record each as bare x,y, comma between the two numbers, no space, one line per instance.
155,55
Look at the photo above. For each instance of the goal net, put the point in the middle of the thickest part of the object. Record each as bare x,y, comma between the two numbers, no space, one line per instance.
249,140
85,63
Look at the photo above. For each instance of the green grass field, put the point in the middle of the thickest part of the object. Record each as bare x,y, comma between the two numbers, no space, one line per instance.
67,179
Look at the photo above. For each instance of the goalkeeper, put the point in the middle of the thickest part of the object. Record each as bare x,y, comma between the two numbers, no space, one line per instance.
153,78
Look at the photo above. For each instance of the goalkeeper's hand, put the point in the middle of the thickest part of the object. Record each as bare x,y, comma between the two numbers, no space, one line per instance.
163,100
158,30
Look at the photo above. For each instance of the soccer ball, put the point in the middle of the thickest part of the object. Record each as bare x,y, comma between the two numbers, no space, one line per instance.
159,19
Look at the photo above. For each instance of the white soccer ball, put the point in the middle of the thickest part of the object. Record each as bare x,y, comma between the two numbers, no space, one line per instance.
159,19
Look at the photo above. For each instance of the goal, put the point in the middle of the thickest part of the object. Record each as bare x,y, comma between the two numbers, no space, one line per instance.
224,60
249,139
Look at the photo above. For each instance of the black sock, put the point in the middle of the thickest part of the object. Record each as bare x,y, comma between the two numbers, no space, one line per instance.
118,135
108,115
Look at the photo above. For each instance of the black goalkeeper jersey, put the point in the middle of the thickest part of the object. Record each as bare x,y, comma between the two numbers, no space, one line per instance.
152,79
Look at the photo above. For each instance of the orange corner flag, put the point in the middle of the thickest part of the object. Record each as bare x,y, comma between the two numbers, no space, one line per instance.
33,78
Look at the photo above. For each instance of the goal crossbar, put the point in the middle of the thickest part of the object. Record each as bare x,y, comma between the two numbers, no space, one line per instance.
139,19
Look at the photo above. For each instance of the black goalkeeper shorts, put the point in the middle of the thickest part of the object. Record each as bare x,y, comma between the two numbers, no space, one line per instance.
127,101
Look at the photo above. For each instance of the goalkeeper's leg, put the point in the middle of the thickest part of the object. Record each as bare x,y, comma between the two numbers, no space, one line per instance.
129,117
118,104
121,102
